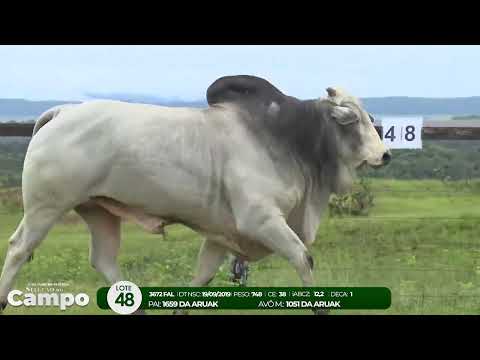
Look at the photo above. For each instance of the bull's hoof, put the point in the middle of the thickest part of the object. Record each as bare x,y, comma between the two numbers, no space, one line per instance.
30,258
3,305
180,312
321,312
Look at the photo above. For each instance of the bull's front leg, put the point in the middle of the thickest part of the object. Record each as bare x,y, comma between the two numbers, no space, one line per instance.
274,233
267,225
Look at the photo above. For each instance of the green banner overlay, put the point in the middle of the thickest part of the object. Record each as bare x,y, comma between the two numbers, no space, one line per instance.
228,298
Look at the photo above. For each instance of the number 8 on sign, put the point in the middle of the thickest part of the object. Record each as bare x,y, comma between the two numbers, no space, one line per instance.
402,133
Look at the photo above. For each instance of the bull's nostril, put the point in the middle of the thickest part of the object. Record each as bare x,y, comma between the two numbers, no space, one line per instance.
386,157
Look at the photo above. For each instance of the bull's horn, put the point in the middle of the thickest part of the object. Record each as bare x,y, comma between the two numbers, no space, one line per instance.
331,92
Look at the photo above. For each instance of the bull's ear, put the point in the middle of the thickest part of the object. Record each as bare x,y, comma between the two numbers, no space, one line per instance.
344,115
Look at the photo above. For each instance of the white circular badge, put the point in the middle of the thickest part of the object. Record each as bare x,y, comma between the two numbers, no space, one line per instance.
124,297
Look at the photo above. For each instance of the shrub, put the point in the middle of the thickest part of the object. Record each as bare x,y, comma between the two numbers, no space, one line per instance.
358,202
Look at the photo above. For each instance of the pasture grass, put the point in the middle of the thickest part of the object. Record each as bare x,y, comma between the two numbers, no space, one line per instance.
421,240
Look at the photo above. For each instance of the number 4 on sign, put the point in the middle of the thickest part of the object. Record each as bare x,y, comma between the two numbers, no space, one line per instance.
402,133
390,134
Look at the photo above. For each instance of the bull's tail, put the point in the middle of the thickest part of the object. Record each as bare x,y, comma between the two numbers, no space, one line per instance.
47,116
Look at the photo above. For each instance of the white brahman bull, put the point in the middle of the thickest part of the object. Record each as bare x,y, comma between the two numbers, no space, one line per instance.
252,173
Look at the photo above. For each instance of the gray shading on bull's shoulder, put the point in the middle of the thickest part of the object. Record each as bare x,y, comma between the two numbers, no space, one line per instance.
310,131
299,127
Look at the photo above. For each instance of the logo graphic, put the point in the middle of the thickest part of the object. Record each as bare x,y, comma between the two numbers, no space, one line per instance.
47,294
124,297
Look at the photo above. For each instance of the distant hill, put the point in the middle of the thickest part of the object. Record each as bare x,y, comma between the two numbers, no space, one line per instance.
21,110
25,110
425,106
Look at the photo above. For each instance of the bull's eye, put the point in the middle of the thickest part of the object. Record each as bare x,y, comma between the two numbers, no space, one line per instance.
371,118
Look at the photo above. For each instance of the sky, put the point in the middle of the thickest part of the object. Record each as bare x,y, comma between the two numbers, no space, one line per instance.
71,72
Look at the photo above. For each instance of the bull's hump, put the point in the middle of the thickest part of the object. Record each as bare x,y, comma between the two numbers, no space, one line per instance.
242,88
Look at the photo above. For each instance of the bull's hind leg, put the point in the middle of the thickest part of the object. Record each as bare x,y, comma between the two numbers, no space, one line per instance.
210,257
30,232
105,241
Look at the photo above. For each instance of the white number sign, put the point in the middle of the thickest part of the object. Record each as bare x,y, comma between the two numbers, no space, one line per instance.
402,132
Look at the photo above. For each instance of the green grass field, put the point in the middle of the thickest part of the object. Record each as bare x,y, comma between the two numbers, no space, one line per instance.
421,240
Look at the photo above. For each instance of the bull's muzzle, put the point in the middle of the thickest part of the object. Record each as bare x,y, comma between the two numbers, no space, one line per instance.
387,156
